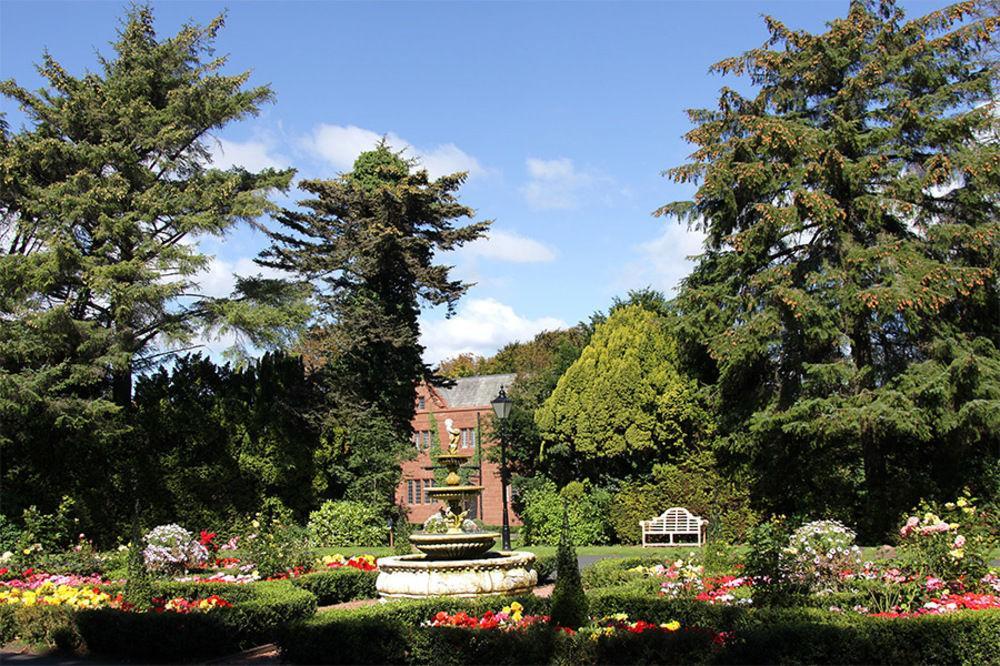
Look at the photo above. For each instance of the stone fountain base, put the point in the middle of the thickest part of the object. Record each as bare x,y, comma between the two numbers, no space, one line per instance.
416,576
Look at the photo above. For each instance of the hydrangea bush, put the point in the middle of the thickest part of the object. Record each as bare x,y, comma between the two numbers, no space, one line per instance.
820,551
172,548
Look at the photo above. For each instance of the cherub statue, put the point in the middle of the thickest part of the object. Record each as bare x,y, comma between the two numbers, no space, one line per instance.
453,435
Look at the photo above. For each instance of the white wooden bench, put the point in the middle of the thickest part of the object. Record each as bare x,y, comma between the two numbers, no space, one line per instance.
673,522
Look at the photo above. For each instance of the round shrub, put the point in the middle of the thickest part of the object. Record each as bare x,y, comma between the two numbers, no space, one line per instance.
347,523
542,513
172,548
819,551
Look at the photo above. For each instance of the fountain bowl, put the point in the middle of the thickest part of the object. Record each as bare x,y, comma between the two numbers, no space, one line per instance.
453,546
417,576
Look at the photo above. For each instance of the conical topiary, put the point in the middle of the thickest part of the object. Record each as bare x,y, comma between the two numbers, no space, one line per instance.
138,590
569,603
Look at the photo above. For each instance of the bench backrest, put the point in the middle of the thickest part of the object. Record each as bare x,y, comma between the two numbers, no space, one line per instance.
675,519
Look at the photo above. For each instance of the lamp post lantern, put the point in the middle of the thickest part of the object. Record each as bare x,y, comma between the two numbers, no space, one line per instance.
501,407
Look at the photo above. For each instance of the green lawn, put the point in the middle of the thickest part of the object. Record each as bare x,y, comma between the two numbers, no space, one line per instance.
869,552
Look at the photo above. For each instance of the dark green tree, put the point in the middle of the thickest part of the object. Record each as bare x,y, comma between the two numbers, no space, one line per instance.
366,242
219,440
569,601
104,196
847,306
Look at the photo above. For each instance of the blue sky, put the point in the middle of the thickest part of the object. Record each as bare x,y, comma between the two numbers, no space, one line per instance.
563,113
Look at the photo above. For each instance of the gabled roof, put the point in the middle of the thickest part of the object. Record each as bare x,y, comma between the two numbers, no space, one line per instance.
475,391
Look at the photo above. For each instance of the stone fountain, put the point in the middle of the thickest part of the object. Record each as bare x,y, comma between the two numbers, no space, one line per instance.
455,558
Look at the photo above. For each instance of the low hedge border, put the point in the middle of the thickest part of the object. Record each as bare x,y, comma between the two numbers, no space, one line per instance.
389,633
259,610
339,585
393,634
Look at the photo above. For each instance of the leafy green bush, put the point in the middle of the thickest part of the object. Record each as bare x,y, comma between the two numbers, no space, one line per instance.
950,541
694,484
10,534
767,558
613,572
52,531
347,523
542,512
339,585
258,612
277,546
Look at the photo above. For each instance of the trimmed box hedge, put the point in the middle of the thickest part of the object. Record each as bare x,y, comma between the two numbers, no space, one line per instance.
259,610
388,633
339,585
393,634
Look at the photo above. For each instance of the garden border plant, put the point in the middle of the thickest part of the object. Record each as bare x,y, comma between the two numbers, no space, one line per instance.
257,613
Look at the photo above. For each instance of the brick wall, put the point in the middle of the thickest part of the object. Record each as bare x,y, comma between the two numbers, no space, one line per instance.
489,509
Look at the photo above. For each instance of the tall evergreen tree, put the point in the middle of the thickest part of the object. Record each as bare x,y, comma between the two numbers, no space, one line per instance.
366,243
847,303
104,195
622,405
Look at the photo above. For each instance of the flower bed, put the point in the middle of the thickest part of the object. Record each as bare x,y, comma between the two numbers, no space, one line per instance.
188,620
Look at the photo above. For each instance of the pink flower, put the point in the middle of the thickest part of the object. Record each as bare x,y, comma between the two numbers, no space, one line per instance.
959,541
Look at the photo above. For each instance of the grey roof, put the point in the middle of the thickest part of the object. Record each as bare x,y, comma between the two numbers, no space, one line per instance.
475,391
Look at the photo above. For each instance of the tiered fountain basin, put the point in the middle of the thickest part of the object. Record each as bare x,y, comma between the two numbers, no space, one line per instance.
454,558
417,576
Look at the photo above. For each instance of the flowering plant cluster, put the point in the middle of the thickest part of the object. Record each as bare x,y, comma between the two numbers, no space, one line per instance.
171,547
507,619
362,562
219,577
51,594
183,606
619,623
946,603
947,541
31,580
819,551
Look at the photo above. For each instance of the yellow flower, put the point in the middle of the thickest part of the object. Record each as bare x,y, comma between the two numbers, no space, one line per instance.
957,553
620,617
961,501
673,625
27,551
953,526
516,607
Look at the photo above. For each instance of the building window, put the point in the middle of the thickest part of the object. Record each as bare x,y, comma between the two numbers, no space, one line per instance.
421,403
416,491
468,438
422,439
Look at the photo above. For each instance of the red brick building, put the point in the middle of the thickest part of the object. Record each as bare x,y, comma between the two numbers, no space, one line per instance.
467,404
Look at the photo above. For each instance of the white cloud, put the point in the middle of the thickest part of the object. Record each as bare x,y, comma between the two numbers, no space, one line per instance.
509,246
481,326
251,155
219,278
558,184
340,145
663,261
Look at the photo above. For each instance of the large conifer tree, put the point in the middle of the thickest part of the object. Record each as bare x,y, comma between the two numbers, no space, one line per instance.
366,241
847,303
102,197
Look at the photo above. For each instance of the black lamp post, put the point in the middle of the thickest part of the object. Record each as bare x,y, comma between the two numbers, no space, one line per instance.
501,407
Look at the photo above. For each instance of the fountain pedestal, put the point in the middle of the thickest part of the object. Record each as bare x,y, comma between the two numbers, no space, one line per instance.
455,562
